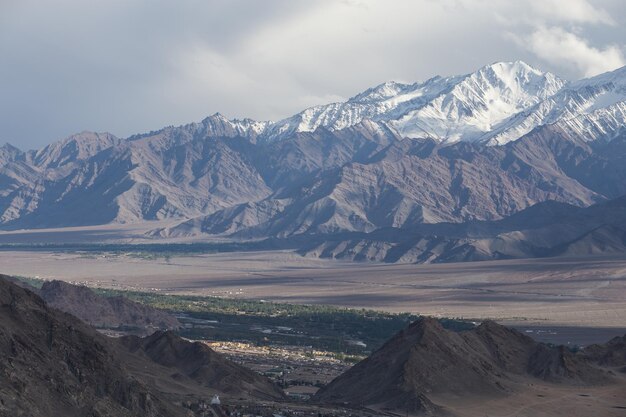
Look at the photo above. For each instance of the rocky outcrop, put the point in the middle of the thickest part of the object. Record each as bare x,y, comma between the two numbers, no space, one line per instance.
53,364
612,353
104,312
425,360
200,363
546,229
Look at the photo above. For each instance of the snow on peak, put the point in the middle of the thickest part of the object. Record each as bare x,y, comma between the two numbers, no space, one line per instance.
381,92
9,152
614,80
590,109
219,125
7,147
496,104
449,109
508,67
519,76
479,103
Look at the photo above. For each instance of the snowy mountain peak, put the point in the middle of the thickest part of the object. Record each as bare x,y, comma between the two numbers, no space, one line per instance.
381,92
614,80
8,153
218,125
496,104
7,147
519,75
518,67
479,103
590,109
466,107
215,116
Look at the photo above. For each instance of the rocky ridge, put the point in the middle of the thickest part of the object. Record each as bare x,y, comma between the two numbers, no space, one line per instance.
425,361
104,312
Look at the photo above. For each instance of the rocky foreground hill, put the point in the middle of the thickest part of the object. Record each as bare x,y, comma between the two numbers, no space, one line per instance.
53,364
200,363
425,361
104,312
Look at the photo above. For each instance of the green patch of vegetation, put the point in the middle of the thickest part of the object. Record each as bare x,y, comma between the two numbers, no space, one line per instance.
335,329
33,282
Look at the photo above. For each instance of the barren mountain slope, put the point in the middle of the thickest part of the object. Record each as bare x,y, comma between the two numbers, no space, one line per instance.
203,365
426,361
51,362
107,312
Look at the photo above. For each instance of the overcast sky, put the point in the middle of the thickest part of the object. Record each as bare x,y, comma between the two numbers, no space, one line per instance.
127,66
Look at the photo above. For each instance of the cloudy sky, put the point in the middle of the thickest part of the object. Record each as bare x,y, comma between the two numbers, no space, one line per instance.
127,66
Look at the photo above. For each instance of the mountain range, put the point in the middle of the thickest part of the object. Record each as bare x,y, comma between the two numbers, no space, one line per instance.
543,230
480,147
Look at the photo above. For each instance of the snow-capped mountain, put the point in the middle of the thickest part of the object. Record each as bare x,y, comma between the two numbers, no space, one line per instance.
495,105
473,107
481,146
590,109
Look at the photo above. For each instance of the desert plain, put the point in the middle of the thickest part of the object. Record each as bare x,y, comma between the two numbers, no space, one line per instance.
562,300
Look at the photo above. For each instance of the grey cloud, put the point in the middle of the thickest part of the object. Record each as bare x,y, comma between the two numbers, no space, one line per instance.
132,66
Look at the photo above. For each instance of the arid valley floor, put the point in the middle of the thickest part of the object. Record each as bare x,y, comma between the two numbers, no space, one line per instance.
560,299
